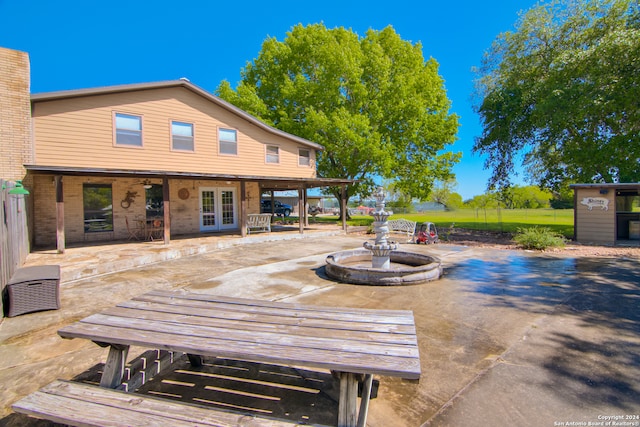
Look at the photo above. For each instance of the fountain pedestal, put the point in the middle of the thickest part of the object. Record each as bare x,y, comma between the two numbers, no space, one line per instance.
380,254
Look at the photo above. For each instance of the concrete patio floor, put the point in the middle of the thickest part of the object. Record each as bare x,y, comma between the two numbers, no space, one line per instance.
506,337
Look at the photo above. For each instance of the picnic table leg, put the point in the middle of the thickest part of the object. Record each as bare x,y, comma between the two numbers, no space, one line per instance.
364,403
114,368
348,404
195,359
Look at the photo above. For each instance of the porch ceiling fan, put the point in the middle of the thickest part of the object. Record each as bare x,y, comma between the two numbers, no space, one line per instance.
146,184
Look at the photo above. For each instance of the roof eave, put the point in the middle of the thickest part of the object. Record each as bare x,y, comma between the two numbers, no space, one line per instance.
607,185
266,182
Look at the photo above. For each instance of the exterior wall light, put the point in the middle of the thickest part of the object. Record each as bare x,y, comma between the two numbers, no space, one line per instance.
19,190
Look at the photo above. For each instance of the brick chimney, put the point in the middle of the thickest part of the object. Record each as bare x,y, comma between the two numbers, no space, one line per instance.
15,114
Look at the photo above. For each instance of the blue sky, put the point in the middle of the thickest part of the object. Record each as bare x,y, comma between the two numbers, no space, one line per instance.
82,44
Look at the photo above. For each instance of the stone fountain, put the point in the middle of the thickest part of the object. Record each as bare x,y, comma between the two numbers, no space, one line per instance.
380,263
381,249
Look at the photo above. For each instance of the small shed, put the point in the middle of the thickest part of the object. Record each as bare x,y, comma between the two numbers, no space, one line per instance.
607,213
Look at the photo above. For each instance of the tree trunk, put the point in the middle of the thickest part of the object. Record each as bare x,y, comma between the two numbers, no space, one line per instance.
338,195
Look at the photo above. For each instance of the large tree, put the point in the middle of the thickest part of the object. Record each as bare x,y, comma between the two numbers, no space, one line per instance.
562,92
444,193
374,103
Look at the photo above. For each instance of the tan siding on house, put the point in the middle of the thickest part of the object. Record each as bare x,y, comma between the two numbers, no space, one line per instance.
78,132
596,225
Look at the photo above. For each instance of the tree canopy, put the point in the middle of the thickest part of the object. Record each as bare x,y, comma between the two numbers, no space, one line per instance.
374,103
444,193
562,92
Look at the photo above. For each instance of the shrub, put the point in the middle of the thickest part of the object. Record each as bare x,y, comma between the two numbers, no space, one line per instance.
539,238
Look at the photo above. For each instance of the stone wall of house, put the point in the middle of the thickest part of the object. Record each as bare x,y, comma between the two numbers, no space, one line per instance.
184,205
15,114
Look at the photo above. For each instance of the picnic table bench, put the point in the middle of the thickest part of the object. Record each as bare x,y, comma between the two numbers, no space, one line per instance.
355,344
402,226
79,404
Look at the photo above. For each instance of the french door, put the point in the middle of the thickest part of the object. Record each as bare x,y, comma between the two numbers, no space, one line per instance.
218,208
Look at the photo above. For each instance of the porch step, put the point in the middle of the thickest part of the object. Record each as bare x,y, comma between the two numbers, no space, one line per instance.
81,262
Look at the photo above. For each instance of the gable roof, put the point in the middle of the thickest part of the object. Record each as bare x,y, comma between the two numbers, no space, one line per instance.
184,83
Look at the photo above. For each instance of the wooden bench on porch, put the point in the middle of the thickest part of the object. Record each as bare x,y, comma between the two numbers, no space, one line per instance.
352,343
259,222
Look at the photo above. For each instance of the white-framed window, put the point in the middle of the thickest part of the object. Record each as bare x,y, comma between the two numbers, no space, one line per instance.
97,201
273,154
304,157
182,136
228,139
128,129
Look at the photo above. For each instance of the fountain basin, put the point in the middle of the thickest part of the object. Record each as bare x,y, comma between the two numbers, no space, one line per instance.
406,268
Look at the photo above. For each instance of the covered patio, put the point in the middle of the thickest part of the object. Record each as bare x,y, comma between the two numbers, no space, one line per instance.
190,204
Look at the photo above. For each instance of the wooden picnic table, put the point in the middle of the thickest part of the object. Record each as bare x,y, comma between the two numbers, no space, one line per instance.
353,343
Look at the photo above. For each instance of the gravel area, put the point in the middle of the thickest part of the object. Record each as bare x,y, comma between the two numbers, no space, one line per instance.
504,241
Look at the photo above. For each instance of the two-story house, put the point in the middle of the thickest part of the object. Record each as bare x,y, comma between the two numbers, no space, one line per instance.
170,153
98,162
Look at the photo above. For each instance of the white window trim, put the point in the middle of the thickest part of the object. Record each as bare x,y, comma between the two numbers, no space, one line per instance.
300,157
115,130
220,143
266,154
193,135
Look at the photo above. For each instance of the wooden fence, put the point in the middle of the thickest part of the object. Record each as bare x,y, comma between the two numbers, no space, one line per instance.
14,235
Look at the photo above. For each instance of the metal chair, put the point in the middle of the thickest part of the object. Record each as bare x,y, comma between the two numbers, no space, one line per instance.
157,230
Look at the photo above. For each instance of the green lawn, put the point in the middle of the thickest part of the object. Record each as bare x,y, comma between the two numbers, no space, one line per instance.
506,220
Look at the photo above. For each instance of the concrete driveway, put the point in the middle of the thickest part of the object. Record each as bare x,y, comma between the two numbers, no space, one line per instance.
506,337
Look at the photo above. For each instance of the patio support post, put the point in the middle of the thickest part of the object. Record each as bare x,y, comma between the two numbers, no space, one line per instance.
167,210
305,206
273,203
301,209
343,204
60,239
243,209
575,215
